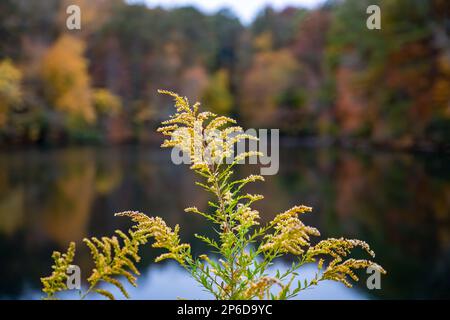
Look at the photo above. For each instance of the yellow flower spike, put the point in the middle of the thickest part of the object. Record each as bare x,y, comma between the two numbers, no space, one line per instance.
57,281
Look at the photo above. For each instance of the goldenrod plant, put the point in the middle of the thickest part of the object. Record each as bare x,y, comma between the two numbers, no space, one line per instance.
243,252
112,259
57,281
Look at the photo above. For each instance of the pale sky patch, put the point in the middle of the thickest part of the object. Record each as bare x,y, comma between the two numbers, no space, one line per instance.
246,10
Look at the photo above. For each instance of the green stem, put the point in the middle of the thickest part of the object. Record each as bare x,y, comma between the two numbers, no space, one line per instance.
88,290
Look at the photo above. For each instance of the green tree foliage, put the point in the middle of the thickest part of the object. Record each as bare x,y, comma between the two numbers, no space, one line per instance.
388,67
106,103
10,89
271,74
217,95
283,25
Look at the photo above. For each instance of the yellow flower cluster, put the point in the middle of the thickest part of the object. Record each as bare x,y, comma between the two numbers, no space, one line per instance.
164,236
261,288
112,259
338,249
253,178
206,137
116,256
57,281
253,197
291,234
246,216
340,272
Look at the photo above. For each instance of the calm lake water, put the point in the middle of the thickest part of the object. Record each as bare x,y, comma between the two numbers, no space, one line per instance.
398,203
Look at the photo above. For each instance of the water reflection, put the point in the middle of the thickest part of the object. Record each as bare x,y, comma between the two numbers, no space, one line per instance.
399,203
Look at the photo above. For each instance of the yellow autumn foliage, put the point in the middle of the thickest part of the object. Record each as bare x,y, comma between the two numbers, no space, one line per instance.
66,79
10,90
106,102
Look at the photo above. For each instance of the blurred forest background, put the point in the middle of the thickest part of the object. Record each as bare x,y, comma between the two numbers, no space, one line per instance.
317,74
311,73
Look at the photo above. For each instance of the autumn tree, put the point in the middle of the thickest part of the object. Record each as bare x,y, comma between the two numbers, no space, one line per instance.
10,89
106,103
270,76
66,80
390,83
217,96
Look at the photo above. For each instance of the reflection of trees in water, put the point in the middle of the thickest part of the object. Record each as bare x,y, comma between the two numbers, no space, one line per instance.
399,203
49,196
11,210
65,212
392,201
11,199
